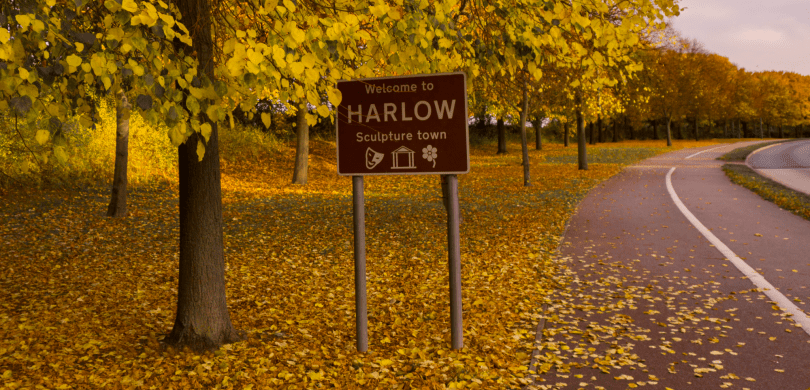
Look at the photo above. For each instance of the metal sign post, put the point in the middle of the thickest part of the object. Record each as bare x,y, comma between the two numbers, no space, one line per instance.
360,307
409,125
454,263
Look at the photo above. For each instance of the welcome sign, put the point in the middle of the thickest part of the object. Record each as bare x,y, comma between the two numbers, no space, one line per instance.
405,125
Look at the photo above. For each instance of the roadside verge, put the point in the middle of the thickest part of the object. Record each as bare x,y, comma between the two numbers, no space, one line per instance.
784,197
740,173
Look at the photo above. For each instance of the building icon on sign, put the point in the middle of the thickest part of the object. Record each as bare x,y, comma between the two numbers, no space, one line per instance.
403,158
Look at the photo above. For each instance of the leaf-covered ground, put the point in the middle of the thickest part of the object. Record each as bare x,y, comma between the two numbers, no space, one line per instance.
85,299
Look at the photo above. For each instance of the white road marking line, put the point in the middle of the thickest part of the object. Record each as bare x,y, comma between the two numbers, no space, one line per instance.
751,155
704,151
670,166
768,289
796,180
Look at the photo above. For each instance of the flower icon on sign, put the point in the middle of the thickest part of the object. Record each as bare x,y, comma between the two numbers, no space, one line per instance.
429,153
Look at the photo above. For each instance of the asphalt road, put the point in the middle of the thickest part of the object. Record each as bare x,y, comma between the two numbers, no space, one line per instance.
787,163
654,303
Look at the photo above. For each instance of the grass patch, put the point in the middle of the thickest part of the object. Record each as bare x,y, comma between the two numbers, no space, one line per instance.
784,197
609,155
740,154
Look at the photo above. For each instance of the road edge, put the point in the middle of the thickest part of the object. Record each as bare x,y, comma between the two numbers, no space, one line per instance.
765,175
538,335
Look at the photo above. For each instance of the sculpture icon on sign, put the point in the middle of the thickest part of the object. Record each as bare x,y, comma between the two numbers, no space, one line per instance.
373,158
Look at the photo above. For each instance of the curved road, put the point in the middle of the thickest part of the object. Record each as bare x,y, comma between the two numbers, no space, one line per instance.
680,279
787,163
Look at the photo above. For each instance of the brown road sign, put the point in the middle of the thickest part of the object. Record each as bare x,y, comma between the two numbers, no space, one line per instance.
408,125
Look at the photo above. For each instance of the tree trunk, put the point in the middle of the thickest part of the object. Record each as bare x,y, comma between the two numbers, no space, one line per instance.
538,141
501,137
524,116
118,199
582,153
679,126
697,129
481,121
629,128
592,133
655,129
615,131
600,129
302,150
761,133
565,133
725,128
781,132
587,132
202,321
669,130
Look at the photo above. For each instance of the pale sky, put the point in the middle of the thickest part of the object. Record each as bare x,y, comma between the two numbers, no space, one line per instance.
756,35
